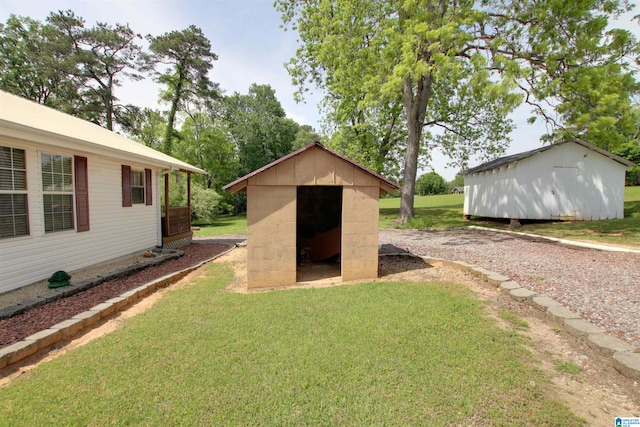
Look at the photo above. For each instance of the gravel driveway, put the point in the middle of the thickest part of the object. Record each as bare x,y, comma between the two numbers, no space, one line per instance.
603,287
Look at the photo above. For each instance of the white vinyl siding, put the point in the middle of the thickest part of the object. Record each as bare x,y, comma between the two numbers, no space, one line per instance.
115,231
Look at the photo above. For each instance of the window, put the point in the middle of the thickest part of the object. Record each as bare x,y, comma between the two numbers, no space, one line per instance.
57,188
137,186
14,213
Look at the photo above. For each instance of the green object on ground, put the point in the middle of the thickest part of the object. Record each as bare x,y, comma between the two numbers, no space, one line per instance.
59,279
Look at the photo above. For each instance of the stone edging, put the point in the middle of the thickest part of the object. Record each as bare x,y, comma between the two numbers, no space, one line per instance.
67,329
74,288
626,359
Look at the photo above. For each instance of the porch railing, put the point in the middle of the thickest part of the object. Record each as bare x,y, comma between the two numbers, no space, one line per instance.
179,221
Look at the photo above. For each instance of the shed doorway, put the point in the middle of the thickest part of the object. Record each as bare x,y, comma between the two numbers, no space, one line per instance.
318,233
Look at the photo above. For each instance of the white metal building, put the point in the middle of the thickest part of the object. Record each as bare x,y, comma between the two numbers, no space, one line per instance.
571,180
72,194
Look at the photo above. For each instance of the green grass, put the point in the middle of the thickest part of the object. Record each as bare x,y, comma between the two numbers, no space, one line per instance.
366,354
566,367
617,231
445,211
514,320
225,224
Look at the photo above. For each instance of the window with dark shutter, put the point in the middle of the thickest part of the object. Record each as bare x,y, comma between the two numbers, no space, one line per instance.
148,196
82,193
14,212
126,186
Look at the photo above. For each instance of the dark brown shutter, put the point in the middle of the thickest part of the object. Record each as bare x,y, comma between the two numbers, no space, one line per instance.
148,194
82,193
126,186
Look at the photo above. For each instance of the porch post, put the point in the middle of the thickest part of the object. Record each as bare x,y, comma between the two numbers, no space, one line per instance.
189,191
166,204
189,197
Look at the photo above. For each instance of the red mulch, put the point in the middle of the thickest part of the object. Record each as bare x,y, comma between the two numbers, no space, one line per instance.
19,327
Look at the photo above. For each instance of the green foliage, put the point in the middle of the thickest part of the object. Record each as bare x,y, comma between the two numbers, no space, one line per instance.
452,69
306,135
259,127
34,63
430,183
189,58
205,204
458,181
631,151
366,354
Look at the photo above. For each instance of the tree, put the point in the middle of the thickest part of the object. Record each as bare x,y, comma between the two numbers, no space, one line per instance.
69,67
35,63
259,127
430,183
304,136
458,181
453,66
631,151
147,126
103,54
189,58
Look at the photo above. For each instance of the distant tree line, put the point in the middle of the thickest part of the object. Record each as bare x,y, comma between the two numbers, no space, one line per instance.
401,79
79,69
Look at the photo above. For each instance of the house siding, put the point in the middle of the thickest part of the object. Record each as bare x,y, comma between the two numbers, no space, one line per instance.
114,230
569,181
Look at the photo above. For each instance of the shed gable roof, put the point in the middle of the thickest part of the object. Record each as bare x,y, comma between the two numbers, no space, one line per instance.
30,121
240,184
502,161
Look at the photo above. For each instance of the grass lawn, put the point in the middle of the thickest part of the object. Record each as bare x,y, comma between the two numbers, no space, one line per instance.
366,354
445,211
225,224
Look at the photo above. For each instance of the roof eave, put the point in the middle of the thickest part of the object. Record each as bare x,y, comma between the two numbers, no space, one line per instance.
240,184
44,137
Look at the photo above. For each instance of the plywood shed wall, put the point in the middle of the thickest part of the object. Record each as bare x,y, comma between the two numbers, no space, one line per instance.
272,197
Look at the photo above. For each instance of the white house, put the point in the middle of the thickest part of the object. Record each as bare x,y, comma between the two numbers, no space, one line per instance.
571,180
73,194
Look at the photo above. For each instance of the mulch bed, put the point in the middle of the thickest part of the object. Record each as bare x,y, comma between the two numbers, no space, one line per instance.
19,327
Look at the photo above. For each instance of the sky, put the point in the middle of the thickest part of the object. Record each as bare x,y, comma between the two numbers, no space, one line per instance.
251,48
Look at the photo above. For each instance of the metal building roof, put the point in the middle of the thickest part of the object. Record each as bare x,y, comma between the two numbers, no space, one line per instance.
502,161
33,122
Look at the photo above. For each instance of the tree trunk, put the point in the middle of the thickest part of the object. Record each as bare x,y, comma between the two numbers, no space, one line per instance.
168,134
416,109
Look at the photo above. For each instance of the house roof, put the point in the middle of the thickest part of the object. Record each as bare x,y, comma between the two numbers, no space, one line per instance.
494,164
243,180
33,122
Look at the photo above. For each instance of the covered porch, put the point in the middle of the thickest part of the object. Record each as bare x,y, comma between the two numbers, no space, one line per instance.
176,214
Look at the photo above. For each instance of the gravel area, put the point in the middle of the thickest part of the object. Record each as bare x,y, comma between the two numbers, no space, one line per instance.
40,318
603,287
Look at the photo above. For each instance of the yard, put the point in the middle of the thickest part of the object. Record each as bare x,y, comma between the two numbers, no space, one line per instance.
385,353
445,211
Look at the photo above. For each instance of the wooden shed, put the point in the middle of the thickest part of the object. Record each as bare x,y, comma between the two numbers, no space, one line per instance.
570,180
312,208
